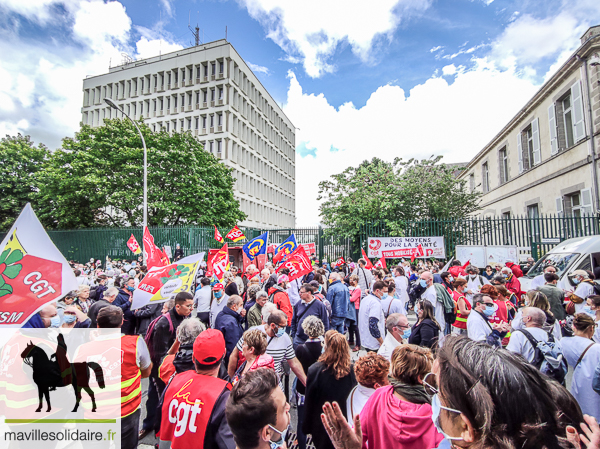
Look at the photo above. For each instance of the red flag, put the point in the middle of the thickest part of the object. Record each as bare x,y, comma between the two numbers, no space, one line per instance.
418,251
369,265
153,252
218,236
340,262
133,245
164,257
219,263
467,264
380,263
298,263
235,234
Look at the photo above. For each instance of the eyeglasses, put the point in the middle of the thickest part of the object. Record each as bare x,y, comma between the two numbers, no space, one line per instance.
431,386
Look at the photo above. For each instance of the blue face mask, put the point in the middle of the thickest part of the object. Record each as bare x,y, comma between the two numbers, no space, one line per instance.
385,295
450,279
436,408
280,332
218,294
131,289
279,443
576,281
407,333
589,311
69,318
423,283
489,310
55,321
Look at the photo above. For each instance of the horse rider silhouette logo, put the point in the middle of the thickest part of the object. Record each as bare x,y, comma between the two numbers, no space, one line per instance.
48,374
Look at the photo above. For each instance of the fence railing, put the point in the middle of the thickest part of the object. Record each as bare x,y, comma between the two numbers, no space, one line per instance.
83,244
521,231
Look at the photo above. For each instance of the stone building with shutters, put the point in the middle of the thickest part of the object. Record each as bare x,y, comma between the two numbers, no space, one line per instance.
209,91
545,160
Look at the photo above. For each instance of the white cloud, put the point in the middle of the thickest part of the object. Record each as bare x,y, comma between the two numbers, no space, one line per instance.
435,117
312,30
434,49
258,68
148,48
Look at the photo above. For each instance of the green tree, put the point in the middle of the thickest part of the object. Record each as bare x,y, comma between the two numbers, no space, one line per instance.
20,160
393,193
96,179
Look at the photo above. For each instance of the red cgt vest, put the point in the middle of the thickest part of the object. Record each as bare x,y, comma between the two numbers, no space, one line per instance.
187,406
461,320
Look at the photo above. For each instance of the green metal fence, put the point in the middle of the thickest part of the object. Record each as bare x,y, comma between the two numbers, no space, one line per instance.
521,231
83,244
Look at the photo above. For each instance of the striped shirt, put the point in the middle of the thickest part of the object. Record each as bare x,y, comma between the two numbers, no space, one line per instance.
280,348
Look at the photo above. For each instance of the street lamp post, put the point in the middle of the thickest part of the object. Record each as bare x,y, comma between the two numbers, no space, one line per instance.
109,102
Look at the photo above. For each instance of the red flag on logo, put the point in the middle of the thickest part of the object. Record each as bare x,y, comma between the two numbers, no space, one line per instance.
235,234
153,252
340,262
219,263
369,265
380,263
218,236
164,257
298,263
133,245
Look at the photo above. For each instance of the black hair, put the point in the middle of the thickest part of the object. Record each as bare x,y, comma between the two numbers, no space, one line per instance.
204,281
110,317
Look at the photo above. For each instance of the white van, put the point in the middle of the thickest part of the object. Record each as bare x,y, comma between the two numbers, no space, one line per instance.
582,253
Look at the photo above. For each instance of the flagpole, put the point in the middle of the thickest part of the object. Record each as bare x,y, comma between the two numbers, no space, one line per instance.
109,102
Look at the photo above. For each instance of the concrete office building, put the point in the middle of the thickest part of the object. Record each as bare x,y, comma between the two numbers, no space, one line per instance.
545,160
210,91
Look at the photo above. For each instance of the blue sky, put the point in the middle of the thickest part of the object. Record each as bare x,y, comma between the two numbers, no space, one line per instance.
407,78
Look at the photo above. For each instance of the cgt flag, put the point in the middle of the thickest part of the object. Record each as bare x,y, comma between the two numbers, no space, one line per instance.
219,263
218,236
298,263
235,234
161,283
340,262
285,249
33,272
369,265
133,245
380,263
256,246
154,255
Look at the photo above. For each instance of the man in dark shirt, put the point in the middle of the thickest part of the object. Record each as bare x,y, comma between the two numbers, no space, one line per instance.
107,299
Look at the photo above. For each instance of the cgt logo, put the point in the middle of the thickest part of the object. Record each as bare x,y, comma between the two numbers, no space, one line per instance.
374,244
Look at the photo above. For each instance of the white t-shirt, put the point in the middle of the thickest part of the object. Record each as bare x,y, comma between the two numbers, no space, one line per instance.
537,282
583,290
370,307
280,348
356,401
431,296
391,305
477,328
521,345
475,286
401,288
202,299
388,346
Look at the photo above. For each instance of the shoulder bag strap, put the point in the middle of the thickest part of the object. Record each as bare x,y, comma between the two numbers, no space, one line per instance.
306,310
389,307
530,337
582,354
352,403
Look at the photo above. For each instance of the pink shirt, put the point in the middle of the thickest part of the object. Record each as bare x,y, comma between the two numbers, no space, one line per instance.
355,297
388,422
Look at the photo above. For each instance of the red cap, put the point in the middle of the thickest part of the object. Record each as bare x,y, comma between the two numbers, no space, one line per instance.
209,347
218,287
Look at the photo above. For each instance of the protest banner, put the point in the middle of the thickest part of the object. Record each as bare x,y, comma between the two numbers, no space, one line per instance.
33,272
413,253
432,246
235,234
309,248
133,245
162,282
298,263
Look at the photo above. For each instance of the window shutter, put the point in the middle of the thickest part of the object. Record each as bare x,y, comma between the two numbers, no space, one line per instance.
535,131
578,122
559,205
586,201
553,133
520,151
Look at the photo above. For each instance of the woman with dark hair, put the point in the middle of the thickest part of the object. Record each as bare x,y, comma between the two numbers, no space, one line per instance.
463,307
330,379
592,308
426,331
583,354
488,273
399,416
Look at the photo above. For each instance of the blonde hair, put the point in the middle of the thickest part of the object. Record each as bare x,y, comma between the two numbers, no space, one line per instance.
411,363
337,354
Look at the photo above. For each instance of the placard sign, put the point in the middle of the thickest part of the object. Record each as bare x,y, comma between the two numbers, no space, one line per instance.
431,247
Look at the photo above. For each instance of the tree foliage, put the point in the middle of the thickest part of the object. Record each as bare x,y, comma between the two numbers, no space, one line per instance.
393,193
20,161
96,179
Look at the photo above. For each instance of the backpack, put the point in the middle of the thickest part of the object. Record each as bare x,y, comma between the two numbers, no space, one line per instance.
548,357
149,338
94,293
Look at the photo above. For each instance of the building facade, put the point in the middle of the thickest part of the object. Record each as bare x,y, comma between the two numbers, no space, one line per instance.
210,91
545,160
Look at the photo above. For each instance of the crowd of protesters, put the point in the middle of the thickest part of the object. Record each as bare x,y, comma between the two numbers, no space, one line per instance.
483,366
